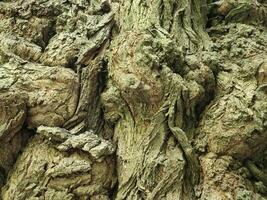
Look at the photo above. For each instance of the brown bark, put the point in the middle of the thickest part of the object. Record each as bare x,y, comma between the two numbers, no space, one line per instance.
133,100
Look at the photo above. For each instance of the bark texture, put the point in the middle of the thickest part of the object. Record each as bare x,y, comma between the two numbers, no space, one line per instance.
133,100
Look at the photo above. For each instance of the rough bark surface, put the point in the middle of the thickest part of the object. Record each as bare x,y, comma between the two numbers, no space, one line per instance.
133,100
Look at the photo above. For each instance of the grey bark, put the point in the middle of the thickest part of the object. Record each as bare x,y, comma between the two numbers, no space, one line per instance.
153,100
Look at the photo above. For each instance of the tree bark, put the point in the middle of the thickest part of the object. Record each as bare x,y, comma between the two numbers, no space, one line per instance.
136,100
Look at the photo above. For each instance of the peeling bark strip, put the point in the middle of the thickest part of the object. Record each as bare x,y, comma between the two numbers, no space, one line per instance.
133,100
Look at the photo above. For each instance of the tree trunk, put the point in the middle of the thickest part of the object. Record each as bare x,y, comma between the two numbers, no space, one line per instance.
153,100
